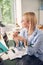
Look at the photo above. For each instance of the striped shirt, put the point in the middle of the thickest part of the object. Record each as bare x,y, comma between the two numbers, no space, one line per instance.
35,44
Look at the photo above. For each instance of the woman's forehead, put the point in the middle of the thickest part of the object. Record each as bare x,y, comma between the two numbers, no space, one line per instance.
24,18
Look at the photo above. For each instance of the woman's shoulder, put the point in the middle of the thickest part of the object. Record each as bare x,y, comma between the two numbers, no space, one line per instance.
38,35
40,32
23,30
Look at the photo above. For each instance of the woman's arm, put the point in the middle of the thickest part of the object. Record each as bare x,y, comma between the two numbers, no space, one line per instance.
37,45
20,38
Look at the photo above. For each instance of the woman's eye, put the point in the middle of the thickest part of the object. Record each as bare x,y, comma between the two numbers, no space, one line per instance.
21,21
27,21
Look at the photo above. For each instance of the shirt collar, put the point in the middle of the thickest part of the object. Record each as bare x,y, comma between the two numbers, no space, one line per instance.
35,32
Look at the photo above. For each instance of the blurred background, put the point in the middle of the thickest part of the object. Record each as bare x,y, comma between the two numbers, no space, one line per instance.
11,12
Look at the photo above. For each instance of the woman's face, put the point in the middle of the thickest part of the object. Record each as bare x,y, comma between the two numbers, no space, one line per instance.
24,22
27,24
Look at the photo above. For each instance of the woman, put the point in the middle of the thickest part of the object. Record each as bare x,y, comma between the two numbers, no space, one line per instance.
22,37
34,40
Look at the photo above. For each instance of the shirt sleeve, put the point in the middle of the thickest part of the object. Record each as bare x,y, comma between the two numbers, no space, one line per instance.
21,33
38,47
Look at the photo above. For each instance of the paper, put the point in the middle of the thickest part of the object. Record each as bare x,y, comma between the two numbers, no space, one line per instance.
4,56
10,54
17,54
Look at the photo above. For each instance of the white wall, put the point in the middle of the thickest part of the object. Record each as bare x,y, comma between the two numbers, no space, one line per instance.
41,17
31,5
18,11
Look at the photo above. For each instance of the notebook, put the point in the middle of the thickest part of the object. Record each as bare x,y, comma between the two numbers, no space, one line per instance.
2,48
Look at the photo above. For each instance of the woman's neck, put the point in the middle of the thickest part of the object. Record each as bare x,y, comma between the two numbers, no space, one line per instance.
30,31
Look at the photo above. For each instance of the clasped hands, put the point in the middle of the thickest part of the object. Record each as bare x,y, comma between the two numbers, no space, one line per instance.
18,38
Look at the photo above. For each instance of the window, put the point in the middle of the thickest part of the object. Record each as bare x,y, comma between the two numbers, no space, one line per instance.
8,12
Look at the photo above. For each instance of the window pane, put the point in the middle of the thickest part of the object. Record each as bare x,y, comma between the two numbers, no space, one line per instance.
6,9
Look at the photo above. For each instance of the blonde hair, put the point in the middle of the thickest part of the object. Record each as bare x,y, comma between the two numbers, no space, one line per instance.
40,26
30,16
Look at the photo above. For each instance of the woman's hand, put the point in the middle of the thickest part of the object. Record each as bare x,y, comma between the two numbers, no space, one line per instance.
19,38
15,34
15,37
16,40
22,39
